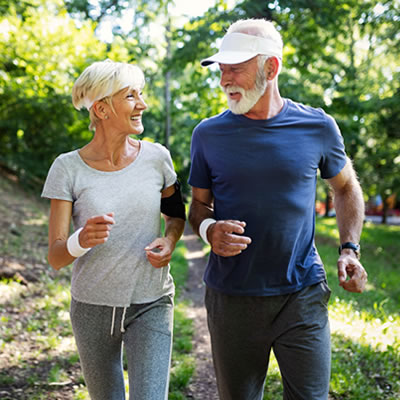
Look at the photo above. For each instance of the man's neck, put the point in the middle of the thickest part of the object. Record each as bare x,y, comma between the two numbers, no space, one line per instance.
269,105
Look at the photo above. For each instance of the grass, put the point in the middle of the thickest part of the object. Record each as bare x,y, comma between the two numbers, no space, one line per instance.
183,363
365,327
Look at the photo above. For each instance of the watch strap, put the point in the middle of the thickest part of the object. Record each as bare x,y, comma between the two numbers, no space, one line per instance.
350,245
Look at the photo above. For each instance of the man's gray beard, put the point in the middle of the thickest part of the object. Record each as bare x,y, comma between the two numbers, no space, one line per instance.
249,97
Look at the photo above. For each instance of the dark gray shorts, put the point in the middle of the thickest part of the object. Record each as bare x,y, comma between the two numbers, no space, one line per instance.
244,329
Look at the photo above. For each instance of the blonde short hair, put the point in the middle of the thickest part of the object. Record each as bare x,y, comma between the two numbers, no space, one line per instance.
100,81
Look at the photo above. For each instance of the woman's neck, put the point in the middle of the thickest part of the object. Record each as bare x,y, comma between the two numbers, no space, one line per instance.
110,152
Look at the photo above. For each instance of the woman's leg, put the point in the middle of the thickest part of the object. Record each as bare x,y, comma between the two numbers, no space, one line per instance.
148,343
99,352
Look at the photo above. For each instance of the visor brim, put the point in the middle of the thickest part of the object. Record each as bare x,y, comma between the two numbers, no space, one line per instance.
228,57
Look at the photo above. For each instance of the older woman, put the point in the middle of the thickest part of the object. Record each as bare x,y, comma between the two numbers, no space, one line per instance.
114,189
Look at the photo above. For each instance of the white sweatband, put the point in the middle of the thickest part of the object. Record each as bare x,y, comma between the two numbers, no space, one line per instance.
204,227
73,246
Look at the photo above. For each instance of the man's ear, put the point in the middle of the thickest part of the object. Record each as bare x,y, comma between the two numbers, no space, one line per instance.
271,68
100,110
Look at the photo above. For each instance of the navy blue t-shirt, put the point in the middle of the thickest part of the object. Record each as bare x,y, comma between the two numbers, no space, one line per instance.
264,172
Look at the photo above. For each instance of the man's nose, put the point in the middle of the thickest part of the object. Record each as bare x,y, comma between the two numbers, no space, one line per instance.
226,78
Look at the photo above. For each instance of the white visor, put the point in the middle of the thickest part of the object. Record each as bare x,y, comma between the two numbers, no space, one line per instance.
240,47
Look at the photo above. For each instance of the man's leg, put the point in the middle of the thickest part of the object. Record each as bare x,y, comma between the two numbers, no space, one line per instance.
240,339
302,347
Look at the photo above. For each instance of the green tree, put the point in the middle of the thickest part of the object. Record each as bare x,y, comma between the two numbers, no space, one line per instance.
41,52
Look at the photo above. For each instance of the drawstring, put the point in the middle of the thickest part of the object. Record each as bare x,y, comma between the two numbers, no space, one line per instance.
113,321
123,320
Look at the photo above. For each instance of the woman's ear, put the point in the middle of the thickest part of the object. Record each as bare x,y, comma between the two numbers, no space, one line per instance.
100,110
271,68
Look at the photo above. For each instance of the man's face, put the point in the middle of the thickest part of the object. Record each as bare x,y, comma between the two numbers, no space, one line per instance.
243,84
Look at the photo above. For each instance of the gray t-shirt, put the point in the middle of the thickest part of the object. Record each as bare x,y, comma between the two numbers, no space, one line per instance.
116,273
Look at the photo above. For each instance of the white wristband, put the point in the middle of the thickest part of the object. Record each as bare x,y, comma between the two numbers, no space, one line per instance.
73,246
203,228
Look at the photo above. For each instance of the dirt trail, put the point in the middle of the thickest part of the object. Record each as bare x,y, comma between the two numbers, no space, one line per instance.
202,386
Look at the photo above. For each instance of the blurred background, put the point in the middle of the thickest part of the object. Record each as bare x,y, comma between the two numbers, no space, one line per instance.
340,55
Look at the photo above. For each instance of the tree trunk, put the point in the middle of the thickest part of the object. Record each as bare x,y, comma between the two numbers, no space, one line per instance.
384,211
167,92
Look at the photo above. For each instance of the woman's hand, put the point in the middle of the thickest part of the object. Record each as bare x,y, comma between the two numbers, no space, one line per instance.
159,252
96,230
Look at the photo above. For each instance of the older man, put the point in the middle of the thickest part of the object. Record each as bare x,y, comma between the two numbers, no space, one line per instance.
253,177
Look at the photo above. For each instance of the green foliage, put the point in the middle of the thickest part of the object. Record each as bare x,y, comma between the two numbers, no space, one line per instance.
40,54
182,367
361,372
333,58
183,364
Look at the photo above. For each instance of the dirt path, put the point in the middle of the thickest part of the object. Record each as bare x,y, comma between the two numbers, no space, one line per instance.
203,384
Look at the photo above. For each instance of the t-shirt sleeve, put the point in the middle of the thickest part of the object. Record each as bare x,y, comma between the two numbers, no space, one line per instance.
333,152
200,175
58,184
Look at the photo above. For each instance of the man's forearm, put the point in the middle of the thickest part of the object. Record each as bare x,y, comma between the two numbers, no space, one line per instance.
349,206
197,213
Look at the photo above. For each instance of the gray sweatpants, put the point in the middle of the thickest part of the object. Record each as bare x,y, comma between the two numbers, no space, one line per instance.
145,330
244,329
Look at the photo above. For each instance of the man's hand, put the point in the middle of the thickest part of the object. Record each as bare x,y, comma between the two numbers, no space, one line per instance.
225,238
352,275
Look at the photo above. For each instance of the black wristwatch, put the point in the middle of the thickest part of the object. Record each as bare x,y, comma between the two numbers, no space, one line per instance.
353,246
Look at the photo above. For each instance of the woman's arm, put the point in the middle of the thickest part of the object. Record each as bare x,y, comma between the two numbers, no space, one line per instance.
59,226
159,252
96,231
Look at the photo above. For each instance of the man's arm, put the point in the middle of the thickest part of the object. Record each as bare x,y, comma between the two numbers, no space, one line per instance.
349,206
224,236
201,207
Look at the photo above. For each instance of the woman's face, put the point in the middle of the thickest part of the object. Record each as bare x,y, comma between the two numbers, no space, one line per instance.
129,106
